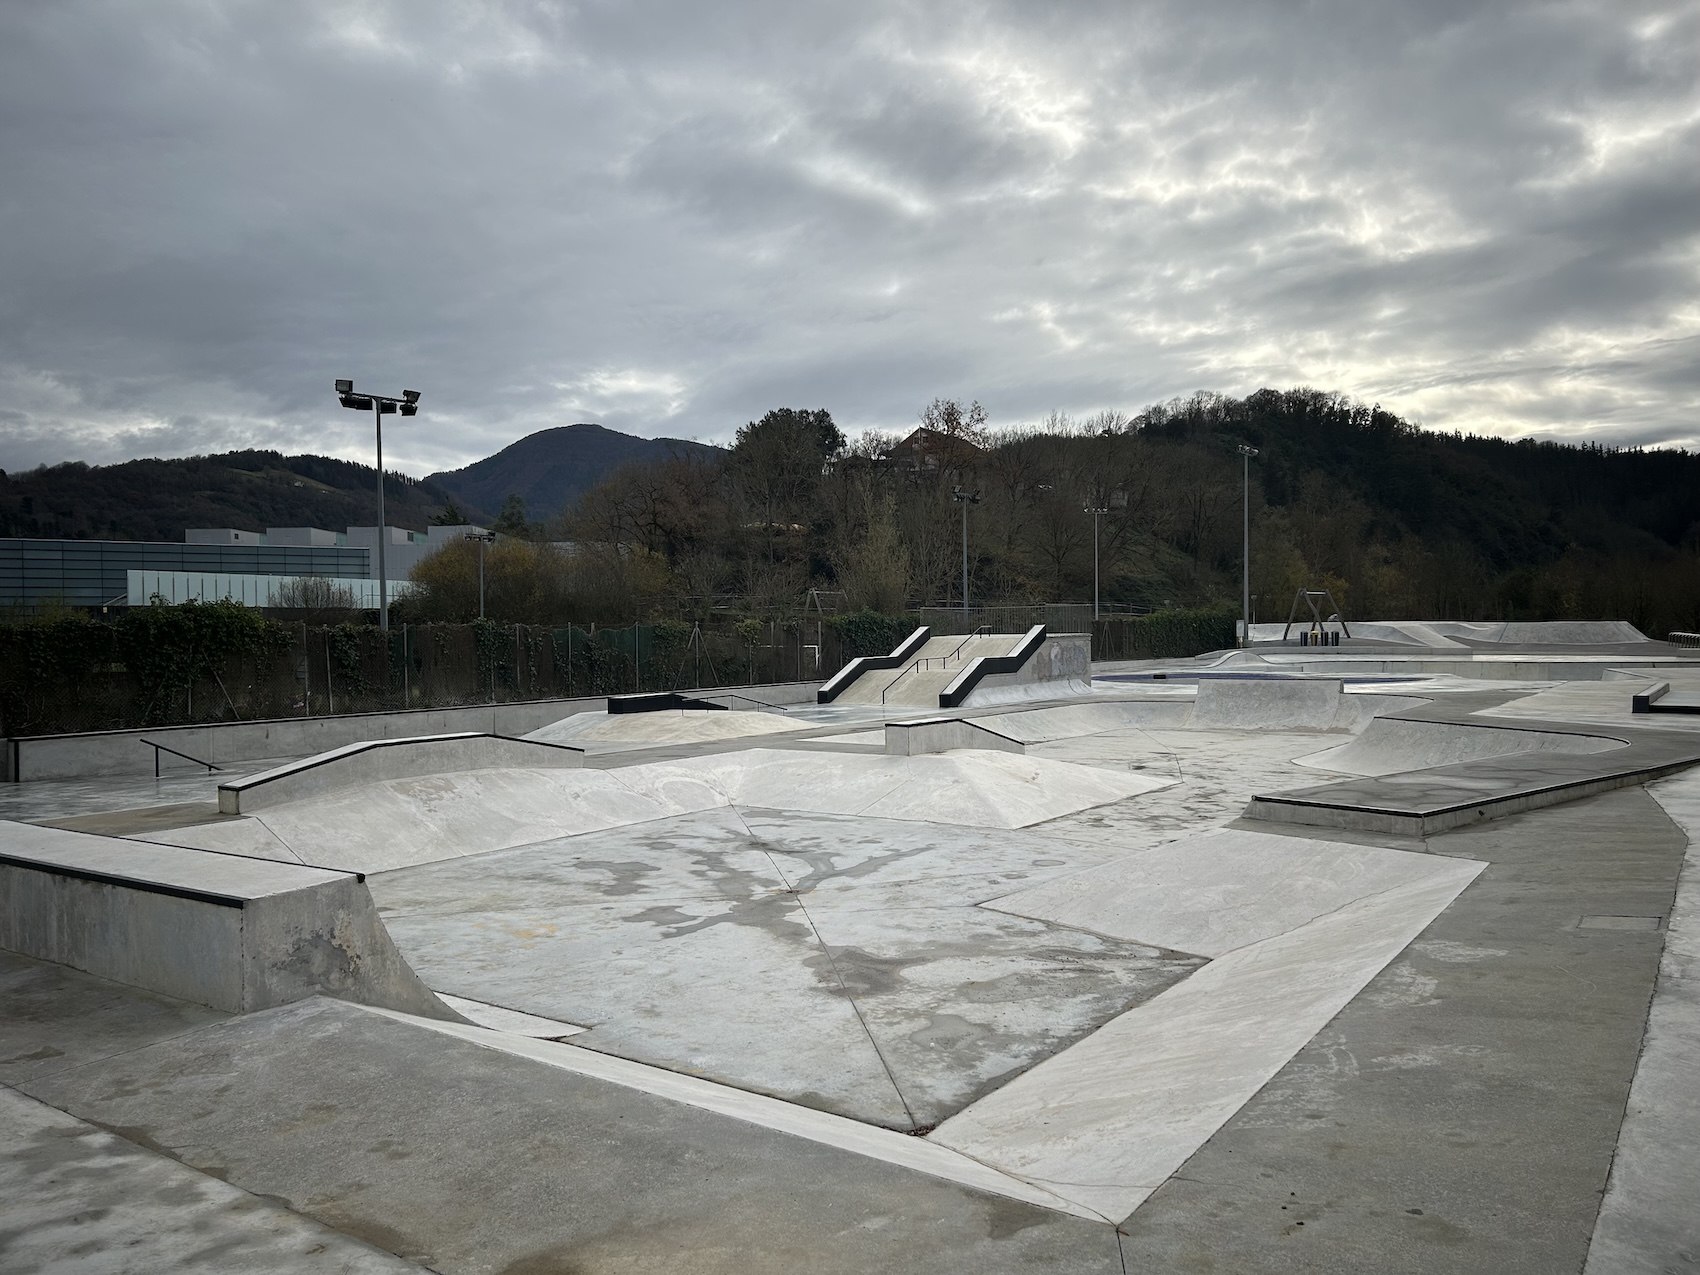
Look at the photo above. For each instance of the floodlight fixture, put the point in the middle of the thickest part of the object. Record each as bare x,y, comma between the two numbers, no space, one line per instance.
380,405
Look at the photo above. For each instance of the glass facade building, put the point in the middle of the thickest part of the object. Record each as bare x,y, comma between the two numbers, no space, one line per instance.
94,573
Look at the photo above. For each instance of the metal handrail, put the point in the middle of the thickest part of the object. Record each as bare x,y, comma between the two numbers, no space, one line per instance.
763,705
984,630
1683,639
941,661
159,748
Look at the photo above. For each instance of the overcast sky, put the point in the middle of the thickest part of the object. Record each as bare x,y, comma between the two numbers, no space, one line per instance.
669,216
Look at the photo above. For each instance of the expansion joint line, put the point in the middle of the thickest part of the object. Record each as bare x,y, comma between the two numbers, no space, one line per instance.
844,987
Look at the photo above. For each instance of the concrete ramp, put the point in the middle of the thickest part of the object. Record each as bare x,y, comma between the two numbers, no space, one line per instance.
376,760
1072,721
1235,703
425,819
233,933
1391,745
671,726
945,734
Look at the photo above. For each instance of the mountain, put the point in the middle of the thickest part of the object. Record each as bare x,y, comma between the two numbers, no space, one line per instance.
253,490
554,467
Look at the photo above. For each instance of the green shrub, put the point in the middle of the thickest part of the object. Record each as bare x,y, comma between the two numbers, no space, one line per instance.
869,633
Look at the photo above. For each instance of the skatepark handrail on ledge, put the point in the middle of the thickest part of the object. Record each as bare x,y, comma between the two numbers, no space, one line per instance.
985,665
376,760
840,681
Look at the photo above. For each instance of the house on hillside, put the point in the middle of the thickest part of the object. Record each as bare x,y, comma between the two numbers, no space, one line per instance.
932,451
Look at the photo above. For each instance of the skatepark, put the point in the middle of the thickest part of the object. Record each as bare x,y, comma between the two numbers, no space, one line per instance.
978,956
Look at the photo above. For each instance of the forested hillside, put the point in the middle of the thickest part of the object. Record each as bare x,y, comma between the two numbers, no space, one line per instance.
253,490
1397,521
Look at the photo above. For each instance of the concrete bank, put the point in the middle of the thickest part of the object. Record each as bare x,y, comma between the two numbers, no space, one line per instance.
123,752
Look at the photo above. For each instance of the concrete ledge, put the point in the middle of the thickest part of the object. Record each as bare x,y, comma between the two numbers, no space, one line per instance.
1404,823
1064,657
221,930
381,759
942,734
840,681
1643,703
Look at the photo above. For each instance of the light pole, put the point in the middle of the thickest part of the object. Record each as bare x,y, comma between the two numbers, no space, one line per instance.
1097,512
483,538
1246,453
380,406
964,498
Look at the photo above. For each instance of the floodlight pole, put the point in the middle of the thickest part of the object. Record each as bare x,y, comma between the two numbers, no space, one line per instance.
483,538
383,576
406,405
964,498
1097,511
1246,453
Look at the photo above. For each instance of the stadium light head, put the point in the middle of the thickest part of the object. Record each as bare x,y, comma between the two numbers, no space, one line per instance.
345,387
1247,451
356,402
385,407
410,409
410,396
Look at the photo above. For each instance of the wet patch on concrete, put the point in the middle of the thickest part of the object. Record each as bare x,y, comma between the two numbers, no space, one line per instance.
837,962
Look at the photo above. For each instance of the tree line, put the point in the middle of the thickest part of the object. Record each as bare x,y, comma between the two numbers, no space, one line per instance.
1396,521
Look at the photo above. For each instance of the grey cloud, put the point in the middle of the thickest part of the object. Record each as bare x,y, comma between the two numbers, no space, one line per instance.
669,217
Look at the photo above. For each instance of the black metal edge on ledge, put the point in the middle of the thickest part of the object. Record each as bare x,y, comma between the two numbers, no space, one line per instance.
130,883
657,702
841,680
367,745
986,665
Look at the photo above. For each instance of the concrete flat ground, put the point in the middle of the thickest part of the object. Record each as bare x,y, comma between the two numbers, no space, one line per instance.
1063,1026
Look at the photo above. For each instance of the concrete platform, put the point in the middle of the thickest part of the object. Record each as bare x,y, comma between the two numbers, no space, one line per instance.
233,933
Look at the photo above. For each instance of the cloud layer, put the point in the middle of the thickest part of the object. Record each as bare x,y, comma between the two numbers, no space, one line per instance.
669,217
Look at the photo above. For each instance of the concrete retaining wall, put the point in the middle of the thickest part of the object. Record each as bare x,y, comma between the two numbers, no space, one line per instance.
221,930
121,752
378,760
1271,704
941,734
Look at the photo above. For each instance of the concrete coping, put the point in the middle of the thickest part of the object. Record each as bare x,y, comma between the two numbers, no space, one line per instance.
226,880
376,760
